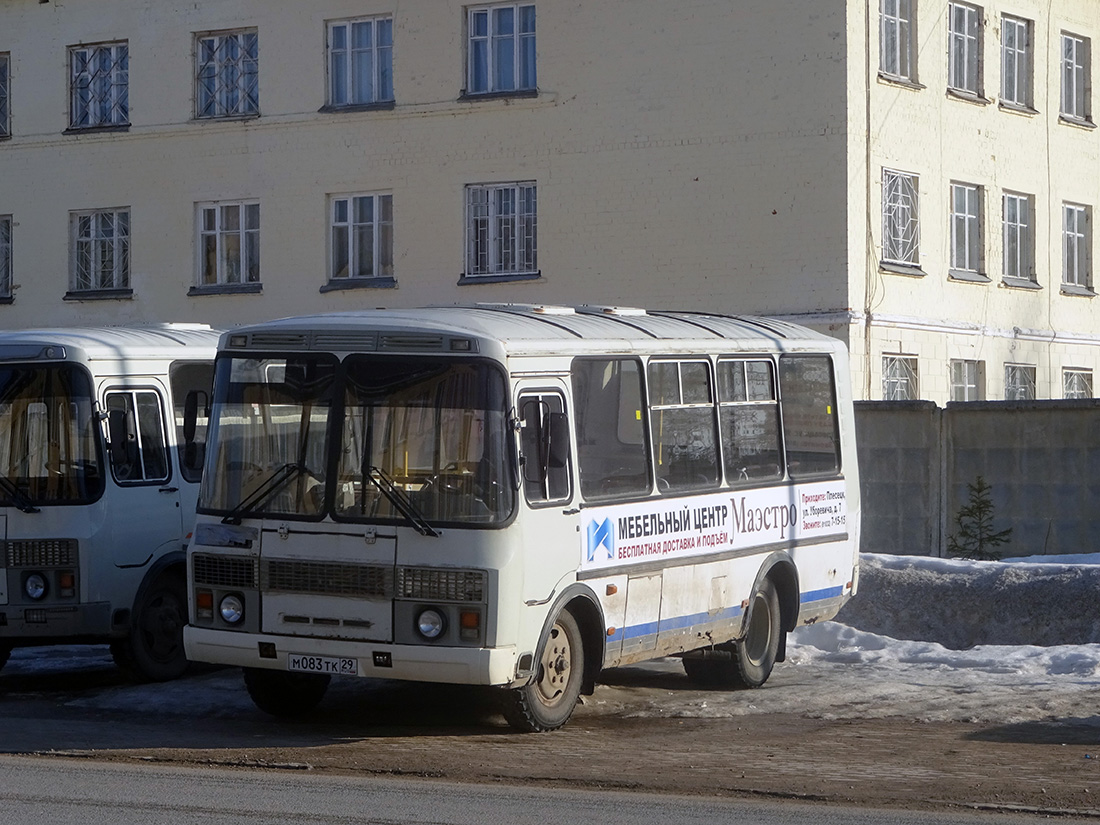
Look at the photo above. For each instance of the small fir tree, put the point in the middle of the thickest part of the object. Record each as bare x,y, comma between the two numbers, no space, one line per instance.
976,538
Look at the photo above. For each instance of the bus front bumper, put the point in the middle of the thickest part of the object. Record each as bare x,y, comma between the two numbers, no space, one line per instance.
416,663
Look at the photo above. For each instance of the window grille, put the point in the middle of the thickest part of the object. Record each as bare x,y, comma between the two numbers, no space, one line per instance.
101,250
227,75
900,227
99,86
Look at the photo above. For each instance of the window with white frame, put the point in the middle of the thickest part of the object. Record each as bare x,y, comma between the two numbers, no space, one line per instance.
1019,382
229,243
966,228
1076,383
967,380
5,256
900,224
362,237
360,65
5,120
99,85
1076,245
501,49
896,38
227,74
501,230
1075,77
1019,237
964,26
1016,78
899,378
100,250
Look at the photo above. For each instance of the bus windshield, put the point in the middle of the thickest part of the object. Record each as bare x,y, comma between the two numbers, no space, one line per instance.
49,450
416,440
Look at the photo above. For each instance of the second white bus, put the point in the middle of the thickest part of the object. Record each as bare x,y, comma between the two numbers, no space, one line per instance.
519,496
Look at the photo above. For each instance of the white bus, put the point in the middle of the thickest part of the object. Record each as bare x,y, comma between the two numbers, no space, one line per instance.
519,496
98,481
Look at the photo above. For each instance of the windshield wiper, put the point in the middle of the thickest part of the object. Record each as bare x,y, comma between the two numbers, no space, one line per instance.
271,485
17,496
399,499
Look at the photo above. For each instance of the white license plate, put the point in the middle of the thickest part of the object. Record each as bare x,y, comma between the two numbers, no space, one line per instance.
331,665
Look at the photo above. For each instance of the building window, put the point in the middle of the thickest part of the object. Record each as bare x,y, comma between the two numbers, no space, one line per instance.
1075,78
1019,239
964,48
1016,82
1076,245
896,38
966,228
5,121
5,256
900,226
899,378
501,230
227,75
501,49
1076,383
360,66
1019,382
101,250
229,244
99,85
362,237
967,380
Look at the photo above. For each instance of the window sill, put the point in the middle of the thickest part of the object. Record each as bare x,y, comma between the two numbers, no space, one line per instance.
98,295
967,276
1017,108
470,96
468,280
901,269
897,80
380,106
226,289
359,283
97,130
1077,291
225,118
1019,283
966,96
1079,122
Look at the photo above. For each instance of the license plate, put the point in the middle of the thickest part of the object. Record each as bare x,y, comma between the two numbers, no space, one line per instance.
330,665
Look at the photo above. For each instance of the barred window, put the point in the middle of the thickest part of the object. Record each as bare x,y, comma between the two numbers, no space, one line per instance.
100,250
900,218
5,122
899,378
1076,383
502,227
5,256
227,75
1019,382
99,85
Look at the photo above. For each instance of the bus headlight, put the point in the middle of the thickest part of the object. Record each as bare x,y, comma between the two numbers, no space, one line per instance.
430,623
231,609
35,586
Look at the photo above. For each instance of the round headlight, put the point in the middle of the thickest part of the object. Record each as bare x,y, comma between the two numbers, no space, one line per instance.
35,586
231,609
430,623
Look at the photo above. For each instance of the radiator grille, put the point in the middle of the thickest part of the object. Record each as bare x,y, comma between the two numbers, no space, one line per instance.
41,552
224,571
329,579
433,584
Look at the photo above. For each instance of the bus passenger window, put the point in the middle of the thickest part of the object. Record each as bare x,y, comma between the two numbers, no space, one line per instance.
682,425
138,448
809,415
611,446
749,413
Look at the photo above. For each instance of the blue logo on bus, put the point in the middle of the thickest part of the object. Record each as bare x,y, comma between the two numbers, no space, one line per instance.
601,533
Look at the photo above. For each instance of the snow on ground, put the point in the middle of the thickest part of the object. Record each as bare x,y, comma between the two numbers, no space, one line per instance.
925,639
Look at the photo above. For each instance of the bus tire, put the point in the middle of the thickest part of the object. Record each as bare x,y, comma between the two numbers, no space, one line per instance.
284,694
156,632
755,653
5,652
548,701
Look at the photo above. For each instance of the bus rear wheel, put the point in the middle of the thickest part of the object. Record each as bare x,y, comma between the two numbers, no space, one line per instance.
747,662
284,694
548,701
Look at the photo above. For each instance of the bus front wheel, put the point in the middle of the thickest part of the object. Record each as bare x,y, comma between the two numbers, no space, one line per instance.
285,694
548,701
154,649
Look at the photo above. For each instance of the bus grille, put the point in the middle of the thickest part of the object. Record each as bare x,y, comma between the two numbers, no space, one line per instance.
224,571
41,552
434,584
327,579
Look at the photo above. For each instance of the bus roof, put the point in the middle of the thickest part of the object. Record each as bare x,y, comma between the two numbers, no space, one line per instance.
144,341
523,329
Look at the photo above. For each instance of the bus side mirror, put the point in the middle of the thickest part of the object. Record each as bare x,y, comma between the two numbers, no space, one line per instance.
557,434
118,431
190,415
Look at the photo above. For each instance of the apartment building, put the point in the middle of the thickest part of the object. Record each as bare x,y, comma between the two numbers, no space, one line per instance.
917,178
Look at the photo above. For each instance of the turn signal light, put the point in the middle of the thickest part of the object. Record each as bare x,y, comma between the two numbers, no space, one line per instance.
204,604
469,625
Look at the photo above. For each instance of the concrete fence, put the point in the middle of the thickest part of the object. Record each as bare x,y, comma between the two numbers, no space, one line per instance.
1041,459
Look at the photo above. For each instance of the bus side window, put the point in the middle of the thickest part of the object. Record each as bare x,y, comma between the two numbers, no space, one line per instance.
749,413
611,446
544,446
191,390
682,425
138,451
810,431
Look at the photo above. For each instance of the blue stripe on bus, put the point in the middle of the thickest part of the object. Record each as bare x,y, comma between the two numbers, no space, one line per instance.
680,622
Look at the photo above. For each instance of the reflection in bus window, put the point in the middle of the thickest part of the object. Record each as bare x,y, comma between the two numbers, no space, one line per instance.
809,415
611,445
191,378
750,420
144,454
543,481
682,425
